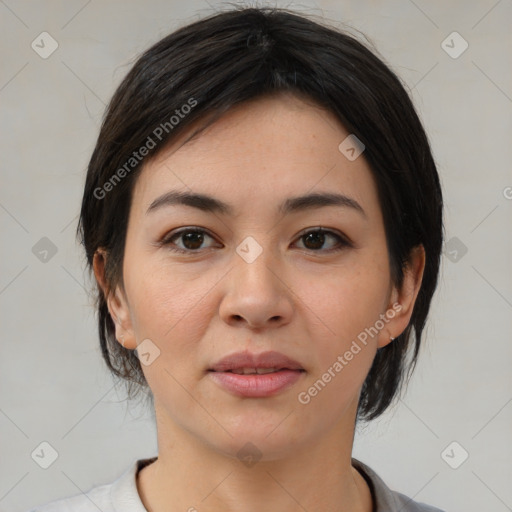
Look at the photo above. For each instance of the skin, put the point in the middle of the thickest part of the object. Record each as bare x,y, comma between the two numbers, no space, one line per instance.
296,298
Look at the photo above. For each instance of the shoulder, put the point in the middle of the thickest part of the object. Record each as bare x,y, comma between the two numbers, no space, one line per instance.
406,504
96,498
121,494
387,500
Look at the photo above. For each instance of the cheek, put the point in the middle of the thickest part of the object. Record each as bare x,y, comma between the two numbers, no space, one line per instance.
174,312
162,298
343,348
345,310
174,316
346,302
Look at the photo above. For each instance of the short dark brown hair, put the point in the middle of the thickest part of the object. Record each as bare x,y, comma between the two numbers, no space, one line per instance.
244,53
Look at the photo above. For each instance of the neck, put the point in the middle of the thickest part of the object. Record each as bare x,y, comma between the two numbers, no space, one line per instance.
193,476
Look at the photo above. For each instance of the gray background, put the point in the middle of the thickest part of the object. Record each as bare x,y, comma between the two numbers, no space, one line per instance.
53,384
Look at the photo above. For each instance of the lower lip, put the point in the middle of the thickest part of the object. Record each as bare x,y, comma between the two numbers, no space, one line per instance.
257,385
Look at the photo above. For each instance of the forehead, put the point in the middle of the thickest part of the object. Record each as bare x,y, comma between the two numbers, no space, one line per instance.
261,151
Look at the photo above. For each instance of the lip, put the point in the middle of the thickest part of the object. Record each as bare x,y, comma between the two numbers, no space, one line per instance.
256,385
247,359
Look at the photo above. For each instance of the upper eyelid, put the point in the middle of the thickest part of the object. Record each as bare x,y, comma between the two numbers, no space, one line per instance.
314,229
179,231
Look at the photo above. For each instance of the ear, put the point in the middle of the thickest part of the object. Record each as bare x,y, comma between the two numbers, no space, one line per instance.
401,303
116,302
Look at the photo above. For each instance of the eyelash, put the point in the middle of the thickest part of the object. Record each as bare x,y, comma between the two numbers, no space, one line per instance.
167,240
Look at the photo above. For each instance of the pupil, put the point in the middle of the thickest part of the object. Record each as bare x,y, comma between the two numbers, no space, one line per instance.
310,236
189,238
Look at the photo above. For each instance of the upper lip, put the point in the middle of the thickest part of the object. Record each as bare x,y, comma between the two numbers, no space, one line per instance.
239,360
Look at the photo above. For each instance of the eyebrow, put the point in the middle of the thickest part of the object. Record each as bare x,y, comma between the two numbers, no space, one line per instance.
291,205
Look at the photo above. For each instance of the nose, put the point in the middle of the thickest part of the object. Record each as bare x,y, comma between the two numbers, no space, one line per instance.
257,295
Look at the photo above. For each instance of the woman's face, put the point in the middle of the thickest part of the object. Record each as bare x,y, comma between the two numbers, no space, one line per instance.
259,277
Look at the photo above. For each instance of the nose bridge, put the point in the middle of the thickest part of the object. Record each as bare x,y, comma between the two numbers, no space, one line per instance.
255,259
255,291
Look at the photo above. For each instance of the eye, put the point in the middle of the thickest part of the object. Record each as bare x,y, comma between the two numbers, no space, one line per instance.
315,239
192,238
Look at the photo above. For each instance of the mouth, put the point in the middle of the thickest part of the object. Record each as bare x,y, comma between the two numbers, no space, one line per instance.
257,385
256,375
258,371
249,363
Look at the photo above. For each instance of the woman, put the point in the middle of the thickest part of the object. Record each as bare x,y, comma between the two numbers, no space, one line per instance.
263,217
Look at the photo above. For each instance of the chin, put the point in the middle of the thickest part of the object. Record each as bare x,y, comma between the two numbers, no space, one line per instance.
265,441
256,448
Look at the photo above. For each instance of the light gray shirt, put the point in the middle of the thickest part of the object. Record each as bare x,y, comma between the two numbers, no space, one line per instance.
122,495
